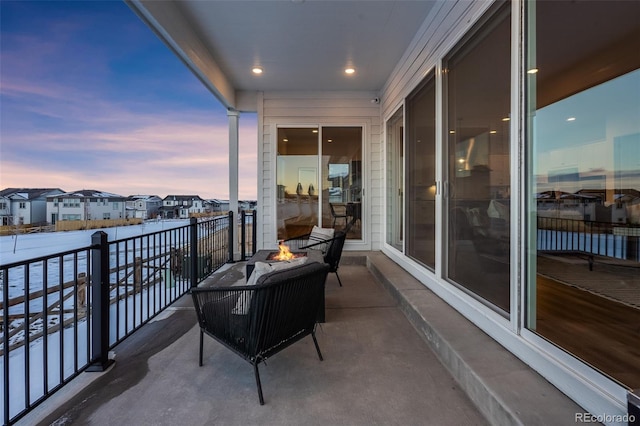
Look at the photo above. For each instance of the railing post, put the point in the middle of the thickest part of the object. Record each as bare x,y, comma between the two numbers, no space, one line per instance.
254,238
230,239
243,235
193,229
100,302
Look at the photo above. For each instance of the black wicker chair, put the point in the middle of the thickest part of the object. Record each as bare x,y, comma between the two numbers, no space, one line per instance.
331,248
258,321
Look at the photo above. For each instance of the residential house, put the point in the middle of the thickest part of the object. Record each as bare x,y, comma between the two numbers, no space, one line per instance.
246,205
5,211
142,206
438,122
86,204
616,206
181,206
215,205
25,206
561,205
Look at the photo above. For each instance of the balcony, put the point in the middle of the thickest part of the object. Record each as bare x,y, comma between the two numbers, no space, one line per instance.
394,353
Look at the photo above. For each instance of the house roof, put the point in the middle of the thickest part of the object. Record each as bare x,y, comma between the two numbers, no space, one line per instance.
143,197
87,193
28,193
300,45
183,197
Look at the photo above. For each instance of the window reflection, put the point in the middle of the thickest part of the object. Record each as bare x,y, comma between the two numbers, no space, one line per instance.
478,87
421,173
342,179
584,279
395,176
297,180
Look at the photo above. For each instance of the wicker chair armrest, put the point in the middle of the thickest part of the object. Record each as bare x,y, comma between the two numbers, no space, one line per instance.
223,313
297,243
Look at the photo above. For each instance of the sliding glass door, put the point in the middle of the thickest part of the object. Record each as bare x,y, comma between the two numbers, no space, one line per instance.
421,173
297,181
319,180
342,179
395,179
584,182
478,96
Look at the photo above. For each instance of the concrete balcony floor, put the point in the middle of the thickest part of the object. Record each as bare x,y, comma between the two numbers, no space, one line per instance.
377,369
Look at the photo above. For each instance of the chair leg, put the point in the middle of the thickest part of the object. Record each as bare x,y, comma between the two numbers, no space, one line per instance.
201,344
257,373
315,342
338,276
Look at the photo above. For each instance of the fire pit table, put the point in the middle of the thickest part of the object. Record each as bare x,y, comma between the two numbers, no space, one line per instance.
267,256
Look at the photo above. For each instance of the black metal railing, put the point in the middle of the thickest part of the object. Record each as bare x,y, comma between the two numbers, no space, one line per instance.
620,241
247,234
77,305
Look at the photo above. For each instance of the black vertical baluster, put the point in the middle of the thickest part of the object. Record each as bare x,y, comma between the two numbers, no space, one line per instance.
89,309
193,228
243,235
45,323
27,343
61,316
118,286
254,228
5,343
230,239
76,301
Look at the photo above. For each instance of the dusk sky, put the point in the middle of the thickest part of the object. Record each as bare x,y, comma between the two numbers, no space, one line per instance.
92,99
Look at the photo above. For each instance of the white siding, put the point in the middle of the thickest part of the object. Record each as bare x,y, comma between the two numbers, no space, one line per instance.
321,109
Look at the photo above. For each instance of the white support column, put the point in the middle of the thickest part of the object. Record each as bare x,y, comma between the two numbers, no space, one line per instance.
234,176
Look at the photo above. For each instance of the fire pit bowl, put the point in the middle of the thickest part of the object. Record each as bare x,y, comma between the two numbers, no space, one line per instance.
273,256
269,256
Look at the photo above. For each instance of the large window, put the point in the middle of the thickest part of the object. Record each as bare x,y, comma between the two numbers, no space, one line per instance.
421,173
478,93
395,182
342,179
584,181
319,183
297,181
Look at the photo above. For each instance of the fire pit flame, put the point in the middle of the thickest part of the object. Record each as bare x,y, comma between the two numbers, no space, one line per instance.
285,253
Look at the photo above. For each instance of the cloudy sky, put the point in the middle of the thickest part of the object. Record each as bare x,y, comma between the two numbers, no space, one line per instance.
92,99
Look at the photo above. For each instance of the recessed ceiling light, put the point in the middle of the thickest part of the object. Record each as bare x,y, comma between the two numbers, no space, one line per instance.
314,131
571,119
349,70
532,71
285,140
493,132
506,119
257,70
452,132
329,140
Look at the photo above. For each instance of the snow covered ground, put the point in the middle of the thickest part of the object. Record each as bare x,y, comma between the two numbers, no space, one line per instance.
15,248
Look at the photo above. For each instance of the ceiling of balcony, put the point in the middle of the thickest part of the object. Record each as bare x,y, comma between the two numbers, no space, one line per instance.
300,45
